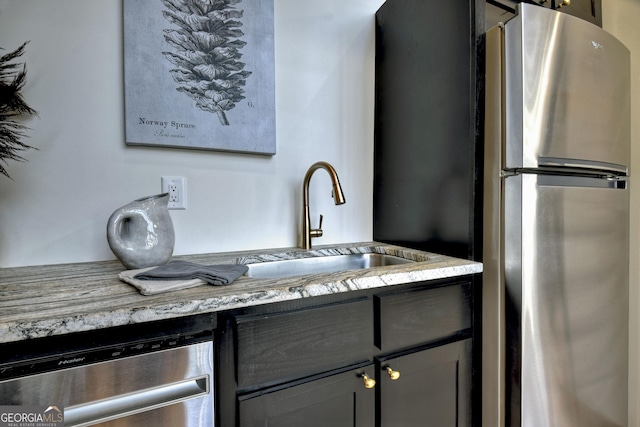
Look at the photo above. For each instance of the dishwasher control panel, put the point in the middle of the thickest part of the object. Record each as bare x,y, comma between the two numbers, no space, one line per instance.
70,359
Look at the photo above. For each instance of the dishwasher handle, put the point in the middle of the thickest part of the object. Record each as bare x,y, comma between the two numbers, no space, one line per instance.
133,403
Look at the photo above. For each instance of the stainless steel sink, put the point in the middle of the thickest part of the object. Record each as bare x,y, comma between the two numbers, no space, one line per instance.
321,264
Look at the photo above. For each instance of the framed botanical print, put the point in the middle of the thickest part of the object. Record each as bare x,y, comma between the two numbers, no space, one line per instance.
200,74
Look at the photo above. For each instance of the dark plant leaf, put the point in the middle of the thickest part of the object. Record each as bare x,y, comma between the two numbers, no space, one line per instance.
12,105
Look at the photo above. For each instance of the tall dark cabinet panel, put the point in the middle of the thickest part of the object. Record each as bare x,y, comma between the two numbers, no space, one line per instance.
425,162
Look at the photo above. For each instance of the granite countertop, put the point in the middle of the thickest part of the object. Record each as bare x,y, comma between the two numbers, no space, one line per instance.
41,301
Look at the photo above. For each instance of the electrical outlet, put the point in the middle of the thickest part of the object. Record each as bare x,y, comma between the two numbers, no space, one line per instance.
176,186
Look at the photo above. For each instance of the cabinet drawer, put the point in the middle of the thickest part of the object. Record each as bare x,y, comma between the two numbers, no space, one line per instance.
421,315
292,344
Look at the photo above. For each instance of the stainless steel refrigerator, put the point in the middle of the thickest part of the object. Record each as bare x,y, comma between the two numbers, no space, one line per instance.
556,223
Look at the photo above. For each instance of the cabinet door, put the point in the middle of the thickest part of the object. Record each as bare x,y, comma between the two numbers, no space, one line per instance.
339,400
433,389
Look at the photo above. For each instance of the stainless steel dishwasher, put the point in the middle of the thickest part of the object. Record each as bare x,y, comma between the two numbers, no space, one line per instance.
165,382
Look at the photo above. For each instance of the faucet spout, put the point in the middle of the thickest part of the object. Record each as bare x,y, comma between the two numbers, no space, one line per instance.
338,198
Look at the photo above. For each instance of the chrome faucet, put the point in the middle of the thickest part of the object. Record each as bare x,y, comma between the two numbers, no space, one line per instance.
338,197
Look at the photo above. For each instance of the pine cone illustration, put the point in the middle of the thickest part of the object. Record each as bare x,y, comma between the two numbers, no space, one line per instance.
206,52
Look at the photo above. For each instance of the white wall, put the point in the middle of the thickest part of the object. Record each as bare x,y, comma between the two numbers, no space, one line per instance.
56,208
620,18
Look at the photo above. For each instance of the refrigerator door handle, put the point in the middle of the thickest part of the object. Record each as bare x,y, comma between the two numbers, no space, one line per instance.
582,164
604,182
553,177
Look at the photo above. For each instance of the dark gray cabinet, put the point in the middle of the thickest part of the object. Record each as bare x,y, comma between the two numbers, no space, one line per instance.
337,400
275,347
432,388
329,361
425,369
425,154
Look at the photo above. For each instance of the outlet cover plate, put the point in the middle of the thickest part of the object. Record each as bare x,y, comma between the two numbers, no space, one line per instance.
176,186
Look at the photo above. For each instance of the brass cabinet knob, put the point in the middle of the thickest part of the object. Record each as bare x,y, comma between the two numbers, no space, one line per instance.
564,3
368,382
394,375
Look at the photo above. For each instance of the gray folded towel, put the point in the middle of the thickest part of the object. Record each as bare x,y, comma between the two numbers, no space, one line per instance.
222,274
153,287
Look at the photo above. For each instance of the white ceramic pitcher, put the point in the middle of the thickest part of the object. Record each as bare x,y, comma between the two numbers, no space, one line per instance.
141,233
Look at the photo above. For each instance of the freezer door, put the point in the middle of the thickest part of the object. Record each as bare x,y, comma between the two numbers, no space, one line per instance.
566,276
567,93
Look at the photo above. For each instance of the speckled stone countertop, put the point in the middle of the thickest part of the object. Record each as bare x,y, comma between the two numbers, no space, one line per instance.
41,301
